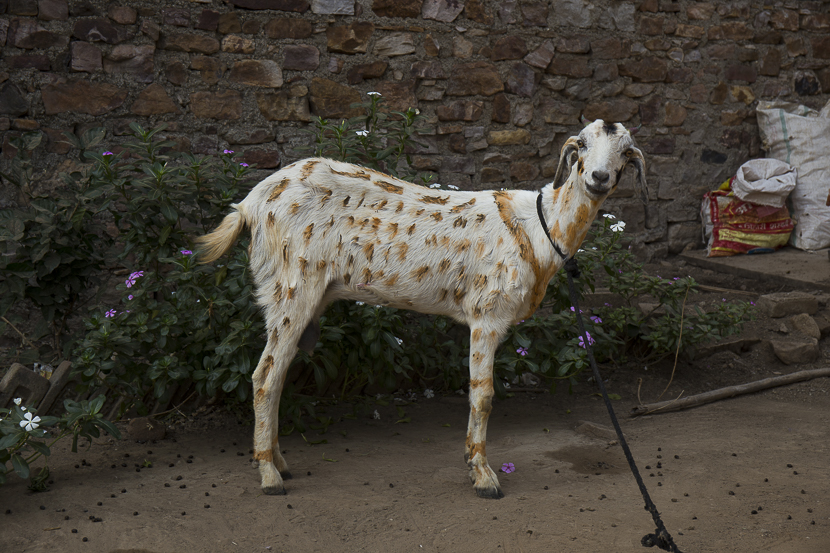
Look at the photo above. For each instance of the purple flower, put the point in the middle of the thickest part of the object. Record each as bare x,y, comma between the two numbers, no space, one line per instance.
596,320
186,252
130,297
522,351
508,468
132,278
574,310
607,304
243,164
582,342
110,313
228,152
107,154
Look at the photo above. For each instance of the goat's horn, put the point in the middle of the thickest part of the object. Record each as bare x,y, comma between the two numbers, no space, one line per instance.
584,120
635,130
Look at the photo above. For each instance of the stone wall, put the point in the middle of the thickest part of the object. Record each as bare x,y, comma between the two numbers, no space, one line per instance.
503,82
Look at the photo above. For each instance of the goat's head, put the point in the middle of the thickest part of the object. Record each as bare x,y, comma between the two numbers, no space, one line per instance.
601,152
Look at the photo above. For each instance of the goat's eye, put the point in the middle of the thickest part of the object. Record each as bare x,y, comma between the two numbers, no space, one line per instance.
629,153
580,143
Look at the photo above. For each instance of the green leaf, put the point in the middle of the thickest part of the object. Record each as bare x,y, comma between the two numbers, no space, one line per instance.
21,467
41,448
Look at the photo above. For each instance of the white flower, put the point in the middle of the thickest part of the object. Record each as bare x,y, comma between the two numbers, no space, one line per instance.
400,342
29,422
506,384
429,394
608,216
362,133
618,227
452,187
360,303
435,185
580,250
376,415
373,93
18,400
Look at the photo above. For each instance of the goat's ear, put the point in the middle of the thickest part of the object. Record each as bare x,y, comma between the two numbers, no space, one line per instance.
639,163
566,161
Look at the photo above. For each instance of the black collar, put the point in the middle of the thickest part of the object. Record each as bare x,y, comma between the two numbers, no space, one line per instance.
545,227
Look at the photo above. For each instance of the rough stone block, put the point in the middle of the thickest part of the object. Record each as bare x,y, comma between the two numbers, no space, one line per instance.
807,325
791,351
61,378
783,304
21,382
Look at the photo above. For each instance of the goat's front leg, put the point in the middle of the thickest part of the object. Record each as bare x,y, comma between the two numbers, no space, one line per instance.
483,344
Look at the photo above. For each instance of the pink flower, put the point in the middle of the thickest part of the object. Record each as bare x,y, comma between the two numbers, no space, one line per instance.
522,351
508,468
590,340
185,252
596,320
228,152
107,154
132,278
110,313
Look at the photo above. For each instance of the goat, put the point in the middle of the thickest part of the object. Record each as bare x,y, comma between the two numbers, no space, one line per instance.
323,230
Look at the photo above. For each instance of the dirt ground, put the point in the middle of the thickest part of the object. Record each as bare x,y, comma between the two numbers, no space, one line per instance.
743,475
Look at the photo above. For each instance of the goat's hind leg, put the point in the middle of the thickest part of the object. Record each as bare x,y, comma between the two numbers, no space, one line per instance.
268,381
482,352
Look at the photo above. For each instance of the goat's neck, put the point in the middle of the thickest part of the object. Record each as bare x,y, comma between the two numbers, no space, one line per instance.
569,212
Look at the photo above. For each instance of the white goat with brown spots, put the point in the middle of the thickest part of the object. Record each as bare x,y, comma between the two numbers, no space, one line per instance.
324,230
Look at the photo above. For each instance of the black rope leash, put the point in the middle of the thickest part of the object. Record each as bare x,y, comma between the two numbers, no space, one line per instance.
661,537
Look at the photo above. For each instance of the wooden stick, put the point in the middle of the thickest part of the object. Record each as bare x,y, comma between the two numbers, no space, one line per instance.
730,391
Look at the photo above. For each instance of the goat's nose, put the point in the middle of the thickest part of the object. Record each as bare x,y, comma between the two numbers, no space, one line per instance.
600,177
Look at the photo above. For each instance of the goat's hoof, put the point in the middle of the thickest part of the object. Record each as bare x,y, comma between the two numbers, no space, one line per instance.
489,493
273,490
286,475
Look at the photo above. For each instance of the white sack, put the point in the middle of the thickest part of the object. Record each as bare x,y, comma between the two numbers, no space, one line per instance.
765,182
800,136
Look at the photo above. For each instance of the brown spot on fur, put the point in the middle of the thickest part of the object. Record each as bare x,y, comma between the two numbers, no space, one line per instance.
285,251
476,335
419,212
381,205
303,262
434,200
420,273
366,276
459,222
393,230
290,293
271,220
278,189
277,293
360,203
321,264
309,230
477,357
480,245
375,223
479,382
463,245
388,187
444,265
392,280
461,207
346,200
403,247
347,278
369,251
308,168
274,338
445,241
443,295
411,229
359,174
480,217
480,281
431,240
520,237
437,216
478,448
351,220
326,196
459,294
399,208
580,166
266,368
294,208
286,322
266,456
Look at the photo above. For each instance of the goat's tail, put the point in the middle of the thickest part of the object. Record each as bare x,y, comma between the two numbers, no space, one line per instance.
212,246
